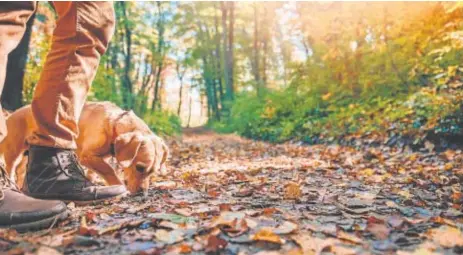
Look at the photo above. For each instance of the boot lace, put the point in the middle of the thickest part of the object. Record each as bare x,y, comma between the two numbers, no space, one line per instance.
75,171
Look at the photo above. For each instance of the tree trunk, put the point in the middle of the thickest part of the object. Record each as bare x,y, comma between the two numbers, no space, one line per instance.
189,111
210,89
226,68
12,96
180,76
179,108
218,56
231,62
127,83
256,51
160,55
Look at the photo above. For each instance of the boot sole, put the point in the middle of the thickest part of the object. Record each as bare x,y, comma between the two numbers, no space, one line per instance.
40,224
94,202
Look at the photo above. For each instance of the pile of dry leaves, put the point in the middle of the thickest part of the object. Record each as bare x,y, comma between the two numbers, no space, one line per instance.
235,196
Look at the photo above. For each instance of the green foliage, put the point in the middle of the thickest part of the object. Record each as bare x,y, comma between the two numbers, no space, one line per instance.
103,87
163,123
405,80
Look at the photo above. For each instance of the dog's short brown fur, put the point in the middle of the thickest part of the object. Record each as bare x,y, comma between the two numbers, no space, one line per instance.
105,131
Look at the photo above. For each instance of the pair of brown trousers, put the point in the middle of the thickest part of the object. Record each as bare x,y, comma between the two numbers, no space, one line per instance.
81,36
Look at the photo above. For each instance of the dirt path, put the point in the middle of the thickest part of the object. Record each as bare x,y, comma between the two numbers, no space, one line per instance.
230,195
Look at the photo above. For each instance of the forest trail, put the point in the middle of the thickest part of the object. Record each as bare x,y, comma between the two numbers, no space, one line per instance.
231,195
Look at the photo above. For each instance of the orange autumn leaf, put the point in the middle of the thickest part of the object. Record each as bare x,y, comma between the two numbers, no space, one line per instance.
267,235
292,191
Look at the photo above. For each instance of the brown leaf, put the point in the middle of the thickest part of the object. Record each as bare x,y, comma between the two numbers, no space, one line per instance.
236,228
91,216
215,244
244,192
312,245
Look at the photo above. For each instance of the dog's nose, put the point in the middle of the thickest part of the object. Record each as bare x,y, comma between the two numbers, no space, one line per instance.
141,194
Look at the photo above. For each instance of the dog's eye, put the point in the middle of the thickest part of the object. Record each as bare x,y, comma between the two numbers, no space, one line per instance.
140,168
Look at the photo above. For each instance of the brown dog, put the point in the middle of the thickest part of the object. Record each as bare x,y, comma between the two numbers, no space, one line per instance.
105,131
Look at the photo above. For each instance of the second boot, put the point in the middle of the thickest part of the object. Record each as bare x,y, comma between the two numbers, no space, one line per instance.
54,173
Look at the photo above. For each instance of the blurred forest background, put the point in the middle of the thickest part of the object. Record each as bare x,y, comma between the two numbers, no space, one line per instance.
305,71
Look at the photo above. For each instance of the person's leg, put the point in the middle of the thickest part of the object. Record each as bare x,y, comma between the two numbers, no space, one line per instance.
13,19
17,210
81,36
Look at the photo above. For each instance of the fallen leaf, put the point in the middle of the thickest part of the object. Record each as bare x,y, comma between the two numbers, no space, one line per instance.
175,218
267,235
43,250
348,237
215,244
244,192
292,191
312,245
181,249
184,211
447,236
287,227
169,237
378,228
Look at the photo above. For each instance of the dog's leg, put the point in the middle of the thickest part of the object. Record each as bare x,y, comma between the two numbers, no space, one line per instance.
100,166
13,156
92,175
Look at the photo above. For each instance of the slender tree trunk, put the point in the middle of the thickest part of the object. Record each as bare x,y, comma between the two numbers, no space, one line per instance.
12,96
127,84
218,56
160,55
264,62
210,89
180,75
231,62
256,51
189,111
226,62
265,44
179,108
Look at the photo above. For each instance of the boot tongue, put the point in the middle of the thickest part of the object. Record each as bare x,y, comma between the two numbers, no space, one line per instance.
73,167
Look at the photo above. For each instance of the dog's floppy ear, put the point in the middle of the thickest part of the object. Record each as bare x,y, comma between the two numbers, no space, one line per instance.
126,148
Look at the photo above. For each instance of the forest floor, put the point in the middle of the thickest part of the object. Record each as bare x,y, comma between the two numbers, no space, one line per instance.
231,195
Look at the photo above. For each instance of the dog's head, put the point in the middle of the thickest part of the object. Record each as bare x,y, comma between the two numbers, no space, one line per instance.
141,157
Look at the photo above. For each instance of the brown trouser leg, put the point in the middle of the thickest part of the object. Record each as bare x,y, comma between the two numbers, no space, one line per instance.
13,19
81,36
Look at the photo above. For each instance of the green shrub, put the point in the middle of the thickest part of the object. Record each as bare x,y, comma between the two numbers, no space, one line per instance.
163,123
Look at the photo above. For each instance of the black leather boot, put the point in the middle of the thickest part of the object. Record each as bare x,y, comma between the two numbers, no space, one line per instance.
23,213
57,174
